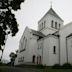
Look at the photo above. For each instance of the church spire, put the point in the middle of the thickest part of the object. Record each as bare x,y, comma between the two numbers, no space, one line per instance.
51,4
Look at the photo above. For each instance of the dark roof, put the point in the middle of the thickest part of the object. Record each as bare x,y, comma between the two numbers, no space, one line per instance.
69,35
38,33
52,12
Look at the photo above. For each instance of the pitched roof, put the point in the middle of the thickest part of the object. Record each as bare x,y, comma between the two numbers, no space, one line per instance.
37,33
52,12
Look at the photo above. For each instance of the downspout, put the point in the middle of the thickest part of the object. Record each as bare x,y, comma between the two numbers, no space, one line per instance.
59,49
66,50
42,51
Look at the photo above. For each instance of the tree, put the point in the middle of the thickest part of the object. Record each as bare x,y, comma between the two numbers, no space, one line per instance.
12,57
8,23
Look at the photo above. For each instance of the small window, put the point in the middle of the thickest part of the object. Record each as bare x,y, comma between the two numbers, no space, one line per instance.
54,49
71,43
59,25
44,23
56,25
52,23
40,26
33,59
25,43
23,58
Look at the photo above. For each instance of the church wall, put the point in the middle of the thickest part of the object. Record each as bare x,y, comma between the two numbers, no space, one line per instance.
54,56
33,45
69,48
48,29
49,58
40,50
49,47
24,53
46,52
64,32
51,17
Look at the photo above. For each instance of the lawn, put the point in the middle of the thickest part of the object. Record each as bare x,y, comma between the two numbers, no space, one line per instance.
56,70
3,69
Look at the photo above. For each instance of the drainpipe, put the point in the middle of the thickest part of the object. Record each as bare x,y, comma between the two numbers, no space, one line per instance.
42,51
59,49
66,50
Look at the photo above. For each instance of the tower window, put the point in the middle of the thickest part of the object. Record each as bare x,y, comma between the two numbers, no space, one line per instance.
40,27
25,43
52,23
59,25
33,59
44,23
56,25
54,49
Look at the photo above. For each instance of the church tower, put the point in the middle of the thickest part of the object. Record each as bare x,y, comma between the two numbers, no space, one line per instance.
50,22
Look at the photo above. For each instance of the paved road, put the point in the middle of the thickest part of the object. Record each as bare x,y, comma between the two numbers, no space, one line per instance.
17,69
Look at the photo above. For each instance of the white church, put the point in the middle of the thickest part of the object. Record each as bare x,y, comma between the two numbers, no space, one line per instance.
50,44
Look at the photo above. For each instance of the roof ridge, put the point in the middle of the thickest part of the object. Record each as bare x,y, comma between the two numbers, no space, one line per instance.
51,11
37,33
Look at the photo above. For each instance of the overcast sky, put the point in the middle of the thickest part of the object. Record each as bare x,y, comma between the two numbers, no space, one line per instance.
32,11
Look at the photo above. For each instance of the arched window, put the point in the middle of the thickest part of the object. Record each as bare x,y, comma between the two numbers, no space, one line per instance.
33,59
59,25
44,23
25,43
54,49
52,23
40,26
56,25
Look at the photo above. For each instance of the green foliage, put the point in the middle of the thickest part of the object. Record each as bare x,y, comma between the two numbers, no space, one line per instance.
2,64
12,57
56,70
67,66
0,70
64,66
56,66
8,23
40,66
14,4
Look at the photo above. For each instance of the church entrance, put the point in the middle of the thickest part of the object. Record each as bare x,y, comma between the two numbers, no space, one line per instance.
39,60
33,59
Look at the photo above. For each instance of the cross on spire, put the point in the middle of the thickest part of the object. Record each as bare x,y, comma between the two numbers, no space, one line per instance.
51,4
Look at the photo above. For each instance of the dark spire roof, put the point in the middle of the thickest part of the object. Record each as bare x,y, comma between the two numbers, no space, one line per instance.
52,12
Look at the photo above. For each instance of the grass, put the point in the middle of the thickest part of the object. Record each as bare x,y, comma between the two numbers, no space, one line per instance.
5,70
9,69
56,70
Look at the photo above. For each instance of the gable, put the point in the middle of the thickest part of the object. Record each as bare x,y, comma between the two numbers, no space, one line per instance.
51,12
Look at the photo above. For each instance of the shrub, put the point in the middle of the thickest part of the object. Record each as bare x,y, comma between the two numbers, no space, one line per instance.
40,66
0,70
56,66
67,66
